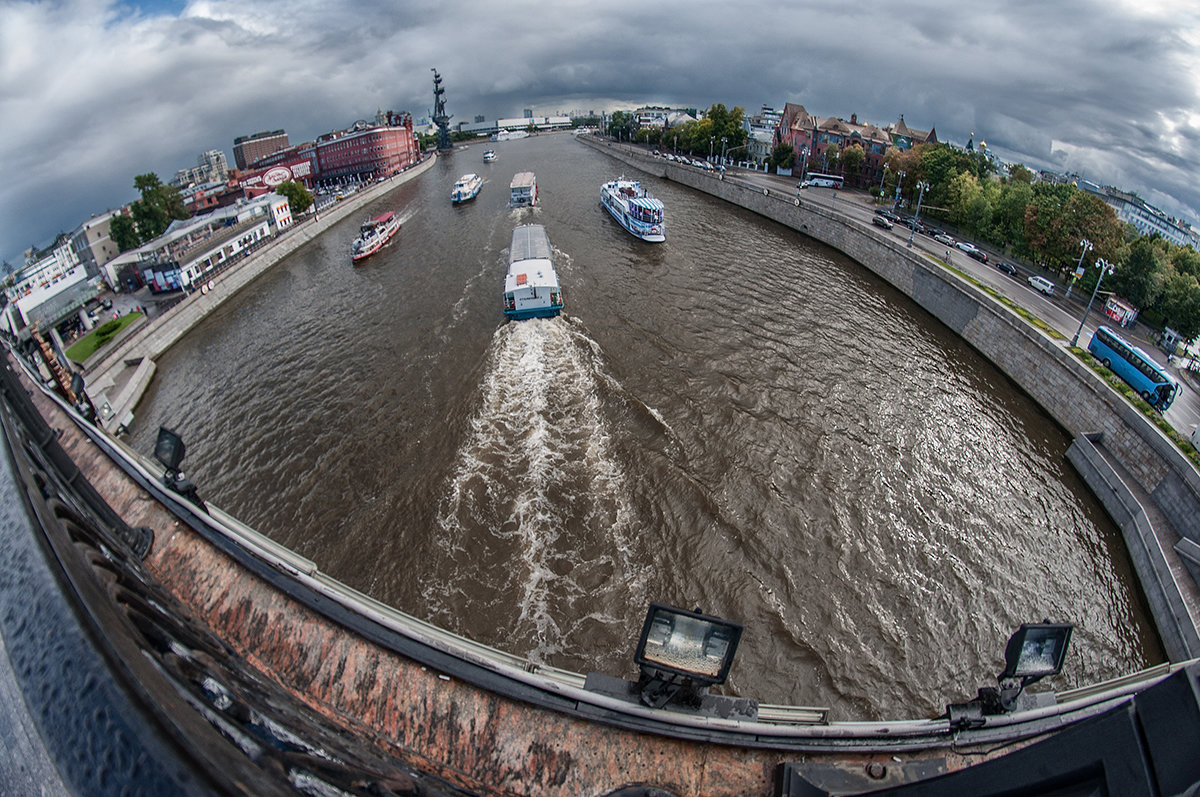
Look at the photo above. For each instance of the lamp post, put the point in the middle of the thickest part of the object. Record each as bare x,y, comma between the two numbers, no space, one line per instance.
724,141
1105,267
899,183
921,186
882,177
711,139
1087,247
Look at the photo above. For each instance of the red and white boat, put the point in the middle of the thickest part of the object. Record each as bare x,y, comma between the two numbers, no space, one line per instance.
374,234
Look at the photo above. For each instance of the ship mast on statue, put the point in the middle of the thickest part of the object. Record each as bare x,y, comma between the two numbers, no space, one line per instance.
440,117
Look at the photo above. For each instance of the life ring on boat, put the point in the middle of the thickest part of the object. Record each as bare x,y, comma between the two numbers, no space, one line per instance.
796,201
766,192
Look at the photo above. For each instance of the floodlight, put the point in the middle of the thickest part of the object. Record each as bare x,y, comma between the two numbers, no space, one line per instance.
1034,651
680,648
169,449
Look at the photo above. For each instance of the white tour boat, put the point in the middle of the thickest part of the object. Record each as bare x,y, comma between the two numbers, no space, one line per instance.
489,156
531,287
373,234
637,211
466,188
523,190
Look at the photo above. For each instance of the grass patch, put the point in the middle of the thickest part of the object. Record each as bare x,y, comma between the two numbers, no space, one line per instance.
99,337
1004,300
1118,384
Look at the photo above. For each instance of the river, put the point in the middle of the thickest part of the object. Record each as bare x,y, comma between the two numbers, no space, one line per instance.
739,419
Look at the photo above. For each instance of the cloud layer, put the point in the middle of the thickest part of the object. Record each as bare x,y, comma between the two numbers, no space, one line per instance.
95,92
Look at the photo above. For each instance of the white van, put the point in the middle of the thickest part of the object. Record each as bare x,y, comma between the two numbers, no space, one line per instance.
1042,284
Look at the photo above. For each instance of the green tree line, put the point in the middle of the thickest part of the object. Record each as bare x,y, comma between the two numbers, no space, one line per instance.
1046,224
720,128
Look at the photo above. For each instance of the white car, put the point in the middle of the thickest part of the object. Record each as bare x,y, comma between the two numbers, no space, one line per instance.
966,246
944,239
1042,284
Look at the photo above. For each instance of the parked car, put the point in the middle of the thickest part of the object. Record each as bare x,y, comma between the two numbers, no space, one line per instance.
914,225
1007,268
880,221
966,246
942,238
887,214
1041,284
978,255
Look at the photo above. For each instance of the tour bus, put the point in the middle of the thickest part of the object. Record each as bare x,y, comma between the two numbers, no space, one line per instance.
822,181
1133,365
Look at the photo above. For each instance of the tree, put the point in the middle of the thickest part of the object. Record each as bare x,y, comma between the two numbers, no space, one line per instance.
783,156
1180,304
152,214
298,197
852,162
123,233
1140,278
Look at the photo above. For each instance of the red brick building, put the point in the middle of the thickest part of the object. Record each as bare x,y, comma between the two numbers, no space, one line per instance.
812,137
364,152
249,149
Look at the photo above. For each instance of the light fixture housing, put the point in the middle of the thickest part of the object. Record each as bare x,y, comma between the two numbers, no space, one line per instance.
169,449
687,644
1036,650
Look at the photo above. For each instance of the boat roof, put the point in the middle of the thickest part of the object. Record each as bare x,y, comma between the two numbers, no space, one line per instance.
383,218
529,242
531,274
647,203
522,180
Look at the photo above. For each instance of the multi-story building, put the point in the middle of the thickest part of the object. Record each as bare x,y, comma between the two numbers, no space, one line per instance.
247,150
91,243
1147,219
362,152
812,138
905,138
211,167
51,286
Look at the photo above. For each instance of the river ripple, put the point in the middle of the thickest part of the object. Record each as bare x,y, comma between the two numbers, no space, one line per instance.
739,419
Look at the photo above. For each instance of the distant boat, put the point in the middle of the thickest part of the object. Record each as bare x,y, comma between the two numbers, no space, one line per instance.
637,211
531,287
510,135
523,190
466,188
373,234
489,156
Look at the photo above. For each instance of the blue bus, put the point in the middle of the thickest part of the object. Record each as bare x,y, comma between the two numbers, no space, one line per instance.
1133,365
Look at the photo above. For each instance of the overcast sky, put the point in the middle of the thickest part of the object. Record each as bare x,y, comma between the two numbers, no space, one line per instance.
94,92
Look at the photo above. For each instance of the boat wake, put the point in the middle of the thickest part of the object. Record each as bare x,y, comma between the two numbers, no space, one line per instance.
538,504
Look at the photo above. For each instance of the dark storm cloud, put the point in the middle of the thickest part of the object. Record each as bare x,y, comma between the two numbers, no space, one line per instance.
92,93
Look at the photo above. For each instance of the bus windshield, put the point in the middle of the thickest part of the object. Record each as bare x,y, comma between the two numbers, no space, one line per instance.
1133,365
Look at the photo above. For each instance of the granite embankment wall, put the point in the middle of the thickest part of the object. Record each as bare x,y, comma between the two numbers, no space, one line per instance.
1128,453
122,375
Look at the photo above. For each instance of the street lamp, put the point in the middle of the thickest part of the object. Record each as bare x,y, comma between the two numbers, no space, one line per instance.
921,186
1105,267
1087,247
899,183
882,177
724,141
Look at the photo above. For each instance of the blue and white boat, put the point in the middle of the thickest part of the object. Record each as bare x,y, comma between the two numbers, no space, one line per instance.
489,156
466,188
637,211
531,286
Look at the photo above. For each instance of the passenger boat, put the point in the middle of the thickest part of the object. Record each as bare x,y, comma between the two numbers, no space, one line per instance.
523,190
373,234
466,188
531,287
635,209
489,156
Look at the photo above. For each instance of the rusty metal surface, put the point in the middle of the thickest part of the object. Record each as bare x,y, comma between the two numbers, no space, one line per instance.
472,738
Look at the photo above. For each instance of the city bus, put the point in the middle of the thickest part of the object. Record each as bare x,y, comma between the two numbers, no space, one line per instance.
822,181
1133,365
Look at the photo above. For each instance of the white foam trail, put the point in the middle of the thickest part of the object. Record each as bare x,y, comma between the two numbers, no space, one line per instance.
537,472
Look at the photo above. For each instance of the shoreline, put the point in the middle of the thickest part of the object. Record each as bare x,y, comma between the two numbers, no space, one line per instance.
118,378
